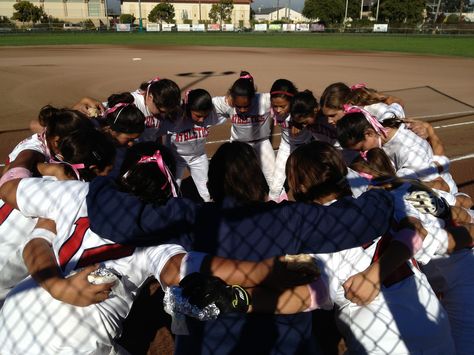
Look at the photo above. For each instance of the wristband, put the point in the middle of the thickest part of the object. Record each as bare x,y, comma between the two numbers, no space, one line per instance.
318,293
410,238
42,234
15,173
191,263
241,299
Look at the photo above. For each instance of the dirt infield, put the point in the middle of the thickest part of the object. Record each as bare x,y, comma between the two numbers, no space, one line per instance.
439,88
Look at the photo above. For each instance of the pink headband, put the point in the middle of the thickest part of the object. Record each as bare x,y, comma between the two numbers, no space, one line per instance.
371,119
154,80
163,168
282,93
357,86
120,105
246,76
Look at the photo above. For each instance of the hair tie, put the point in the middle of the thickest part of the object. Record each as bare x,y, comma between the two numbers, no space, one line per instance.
156,157
376,125
282,93
363,154
358,86
246,76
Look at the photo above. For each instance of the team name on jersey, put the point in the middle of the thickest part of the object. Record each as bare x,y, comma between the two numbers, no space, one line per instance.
193,134
236,119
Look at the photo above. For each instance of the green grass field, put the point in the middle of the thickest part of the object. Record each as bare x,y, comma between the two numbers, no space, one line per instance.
419,44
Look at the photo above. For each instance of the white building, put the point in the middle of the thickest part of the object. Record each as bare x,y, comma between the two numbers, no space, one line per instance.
282,13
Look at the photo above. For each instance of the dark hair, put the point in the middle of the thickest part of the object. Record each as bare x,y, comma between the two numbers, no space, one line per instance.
234,171
335,96
146,180
281,88
304,105
316,170
198,100
375,163
59,122
89,147
125,119
351,129
165,93
243,86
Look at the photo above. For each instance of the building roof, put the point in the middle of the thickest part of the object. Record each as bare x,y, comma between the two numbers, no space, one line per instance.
266,10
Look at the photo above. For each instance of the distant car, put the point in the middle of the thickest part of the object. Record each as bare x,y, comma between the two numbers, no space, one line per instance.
72,27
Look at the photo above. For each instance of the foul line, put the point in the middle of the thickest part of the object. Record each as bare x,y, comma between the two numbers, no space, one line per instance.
463,157
454,124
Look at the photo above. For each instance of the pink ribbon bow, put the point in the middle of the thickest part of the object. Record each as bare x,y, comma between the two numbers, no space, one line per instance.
358,86
163,168
376,125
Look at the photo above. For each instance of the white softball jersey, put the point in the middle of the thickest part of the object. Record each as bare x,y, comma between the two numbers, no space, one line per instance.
382,111
14,229
31,321
408,151
405,318
36,142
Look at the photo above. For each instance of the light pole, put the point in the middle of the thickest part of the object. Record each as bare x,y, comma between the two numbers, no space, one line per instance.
140,21
377,13
345,13
361,8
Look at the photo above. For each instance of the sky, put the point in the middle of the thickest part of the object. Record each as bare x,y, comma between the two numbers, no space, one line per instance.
294,4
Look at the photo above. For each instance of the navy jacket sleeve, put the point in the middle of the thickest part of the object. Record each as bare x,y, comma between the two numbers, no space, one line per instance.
345,224
123,218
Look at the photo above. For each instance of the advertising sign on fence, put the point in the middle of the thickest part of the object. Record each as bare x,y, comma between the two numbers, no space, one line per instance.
199,27
262,27
302,27
123,27
184,27
213,27
167,27
317,27
228,27
380,27
274,27
153,27
288,27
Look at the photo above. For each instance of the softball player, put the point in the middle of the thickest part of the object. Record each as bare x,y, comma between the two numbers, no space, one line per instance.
405,317
251,119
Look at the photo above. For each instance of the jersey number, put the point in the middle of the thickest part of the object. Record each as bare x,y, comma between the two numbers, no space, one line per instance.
91,255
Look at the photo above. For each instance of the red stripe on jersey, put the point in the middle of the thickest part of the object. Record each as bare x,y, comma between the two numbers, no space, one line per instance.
104,252
74,242
5,211
401,273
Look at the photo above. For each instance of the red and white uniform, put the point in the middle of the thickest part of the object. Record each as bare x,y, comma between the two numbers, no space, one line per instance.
187,141
288,143
405,318
36,142
383,111
253,127
31,321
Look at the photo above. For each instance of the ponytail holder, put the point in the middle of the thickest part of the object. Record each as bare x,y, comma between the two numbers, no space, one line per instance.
358,86
376,125
363,154
246,76
158,159
286,93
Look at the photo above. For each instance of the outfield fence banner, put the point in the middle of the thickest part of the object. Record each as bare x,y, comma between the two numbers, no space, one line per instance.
123,27
227,27
167,27
380,27
317,27
288,27
199,27
260,27
184,27
302,27
213,27
153,27
274,27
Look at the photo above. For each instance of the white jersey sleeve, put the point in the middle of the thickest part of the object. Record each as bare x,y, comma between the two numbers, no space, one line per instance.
36,143
157,257
382,111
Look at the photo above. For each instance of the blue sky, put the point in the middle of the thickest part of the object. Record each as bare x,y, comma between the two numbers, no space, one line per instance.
294,4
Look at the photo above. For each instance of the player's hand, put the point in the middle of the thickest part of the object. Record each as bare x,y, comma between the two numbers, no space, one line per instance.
292,270
78,291
420,128
295,131
90,107
202,290
362,288
429,203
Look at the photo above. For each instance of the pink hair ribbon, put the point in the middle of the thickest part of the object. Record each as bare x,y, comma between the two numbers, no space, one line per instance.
74,167
120,105
365,175
358,86
158,159
246,76
363,154
376,125
154,80
186,96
